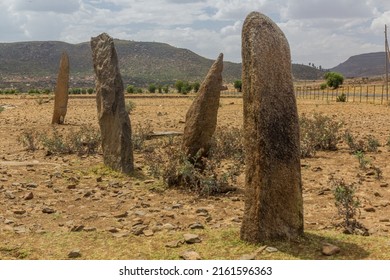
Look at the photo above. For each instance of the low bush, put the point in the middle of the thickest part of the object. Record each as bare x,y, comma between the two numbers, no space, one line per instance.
318,133
347,206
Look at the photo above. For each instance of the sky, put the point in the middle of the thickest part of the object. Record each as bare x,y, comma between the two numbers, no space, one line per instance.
322,32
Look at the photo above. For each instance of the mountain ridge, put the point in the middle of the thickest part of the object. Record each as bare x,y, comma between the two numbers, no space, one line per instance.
140,63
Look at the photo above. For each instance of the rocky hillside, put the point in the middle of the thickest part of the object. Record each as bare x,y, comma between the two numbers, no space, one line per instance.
363,65
141,63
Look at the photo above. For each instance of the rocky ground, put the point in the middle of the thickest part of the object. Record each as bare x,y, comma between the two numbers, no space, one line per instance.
42,193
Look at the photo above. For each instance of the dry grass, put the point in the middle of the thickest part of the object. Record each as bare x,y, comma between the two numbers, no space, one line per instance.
216,244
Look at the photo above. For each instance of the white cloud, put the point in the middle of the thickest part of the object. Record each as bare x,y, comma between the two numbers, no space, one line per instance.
322,32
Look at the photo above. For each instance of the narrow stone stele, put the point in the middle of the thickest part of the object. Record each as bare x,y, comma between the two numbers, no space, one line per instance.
273,202
113,119
61,93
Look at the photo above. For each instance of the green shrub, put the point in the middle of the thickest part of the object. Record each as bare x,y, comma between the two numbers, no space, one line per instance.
85,141
347,205
370,144
1,109
152,88
165,88
56,143
363,161
323,86
90,90
318,133
341,98
130,89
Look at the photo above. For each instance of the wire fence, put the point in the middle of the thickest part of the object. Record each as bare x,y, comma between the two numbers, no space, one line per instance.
376,94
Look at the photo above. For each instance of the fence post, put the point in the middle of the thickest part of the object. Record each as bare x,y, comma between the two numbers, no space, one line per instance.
382,93
367,94
360,94
354,91
374,94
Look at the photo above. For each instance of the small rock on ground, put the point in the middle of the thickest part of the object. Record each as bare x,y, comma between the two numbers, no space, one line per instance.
191,238
74,254
330,249
190,255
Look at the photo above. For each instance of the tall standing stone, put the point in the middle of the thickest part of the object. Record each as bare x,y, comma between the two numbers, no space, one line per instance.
113,119
274,204
61,93
201,118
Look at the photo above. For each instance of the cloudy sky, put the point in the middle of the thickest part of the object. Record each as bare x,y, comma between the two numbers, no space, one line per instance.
323,32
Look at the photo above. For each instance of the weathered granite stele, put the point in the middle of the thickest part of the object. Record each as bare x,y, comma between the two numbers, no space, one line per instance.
201,118
113,119
61,92
274,204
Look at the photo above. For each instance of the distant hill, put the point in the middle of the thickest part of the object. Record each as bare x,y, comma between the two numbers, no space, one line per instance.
304,72
363,65
140,63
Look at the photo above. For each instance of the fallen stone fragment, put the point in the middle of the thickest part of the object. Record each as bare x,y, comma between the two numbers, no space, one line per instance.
271,249
74,254
19,211
330,249
174,244
148,232
190,238
190,255
196,226
29,196
48,210
120,214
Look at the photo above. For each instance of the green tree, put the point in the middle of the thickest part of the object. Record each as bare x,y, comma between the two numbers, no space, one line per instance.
196,86
179,86
165,88
160,88
130,89
152,88
238,85
334,79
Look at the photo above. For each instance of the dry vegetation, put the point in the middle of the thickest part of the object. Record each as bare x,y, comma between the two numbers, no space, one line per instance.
56,196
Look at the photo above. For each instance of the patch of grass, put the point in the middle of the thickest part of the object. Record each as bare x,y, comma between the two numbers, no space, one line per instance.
2,109
222,244
363,161
130,106
341,98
